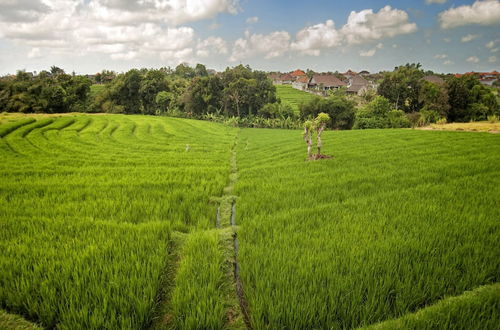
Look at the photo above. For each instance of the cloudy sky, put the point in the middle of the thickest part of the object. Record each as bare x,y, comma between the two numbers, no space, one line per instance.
87,36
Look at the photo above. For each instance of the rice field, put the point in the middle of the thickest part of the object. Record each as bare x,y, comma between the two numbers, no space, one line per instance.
395,222
292,96
87,208
110,221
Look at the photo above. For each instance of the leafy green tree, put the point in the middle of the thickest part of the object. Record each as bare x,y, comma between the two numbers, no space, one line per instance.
470,100
163,100
434,97
378,114
185,71
152,83
200,70
204,95
338,107
320,124
402,87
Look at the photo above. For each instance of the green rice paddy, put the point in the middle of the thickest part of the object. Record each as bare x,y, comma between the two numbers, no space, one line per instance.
292,96
109,221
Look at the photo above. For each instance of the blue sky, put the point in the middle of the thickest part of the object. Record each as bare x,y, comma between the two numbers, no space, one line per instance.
87,36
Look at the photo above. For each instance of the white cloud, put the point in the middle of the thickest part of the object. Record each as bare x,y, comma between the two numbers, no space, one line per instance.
252,20
211,45
35,53
394,46
173,12
310,40
485,12
448,62
469,37
125,30
494,50
492,59
435,1
447,40
473,59
368,53
441,56
270,45
490,44
366,26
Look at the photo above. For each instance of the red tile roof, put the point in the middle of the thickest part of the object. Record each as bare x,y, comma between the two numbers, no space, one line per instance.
297,73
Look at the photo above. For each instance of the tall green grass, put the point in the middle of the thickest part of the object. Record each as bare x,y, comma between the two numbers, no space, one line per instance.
198,300
396,221
462,311
87,207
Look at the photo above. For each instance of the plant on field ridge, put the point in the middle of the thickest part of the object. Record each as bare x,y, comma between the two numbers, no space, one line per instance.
318,125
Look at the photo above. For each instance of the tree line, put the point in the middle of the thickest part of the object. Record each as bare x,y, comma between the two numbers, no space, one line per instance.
241,96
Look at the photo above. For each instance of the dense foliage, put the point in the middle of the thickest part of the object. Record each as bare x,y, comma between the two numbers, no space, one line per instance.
458,99
245,97
49,92
337,106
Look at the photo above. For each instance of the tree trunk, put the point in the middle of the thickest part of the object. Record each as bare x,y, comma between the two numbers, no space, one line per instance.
308,139
309,147
320,130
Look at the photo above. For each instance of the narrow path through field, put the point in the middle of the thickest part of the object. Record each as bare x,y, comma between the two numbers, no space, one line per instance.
233,177
184,301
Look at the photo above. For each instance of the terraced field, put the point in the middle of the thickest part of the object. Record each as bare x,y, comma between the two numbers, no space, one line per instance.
292,96
88,205
111,221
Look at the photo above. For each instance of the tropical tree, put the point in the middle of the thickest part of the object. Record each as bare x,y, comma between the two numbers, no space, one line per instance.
320,124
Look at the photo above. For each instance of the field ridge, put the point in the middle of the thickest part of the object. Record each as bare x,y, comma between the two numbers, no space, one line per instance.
439,314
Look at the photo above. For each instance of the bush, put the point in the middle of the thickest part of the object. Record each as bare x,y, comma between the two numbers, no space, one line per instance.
398,119
413,118
441,121
493,119
428,117
337,106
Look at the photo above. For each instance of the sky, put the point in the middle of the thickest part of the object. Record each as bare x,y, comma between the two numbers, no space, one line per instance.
87,36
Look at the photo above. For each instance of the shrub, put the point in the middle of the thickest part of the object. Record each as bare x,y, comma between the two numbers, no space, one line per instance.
493,119
398,119
427,117
441,121
414,118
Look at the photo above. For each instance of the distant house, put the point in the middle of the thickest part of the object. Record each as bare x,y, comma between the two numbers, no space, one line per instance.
297,74
434,79
286,79
364,73
275,77
326,82
349,74
301,83
485,78
358,85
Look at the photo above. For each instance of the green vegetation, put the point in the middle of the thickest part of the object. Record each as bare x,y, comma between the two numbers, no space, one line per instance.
87,207
199,297
396,221
458,99
10,321
292,96
482,303
110,221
